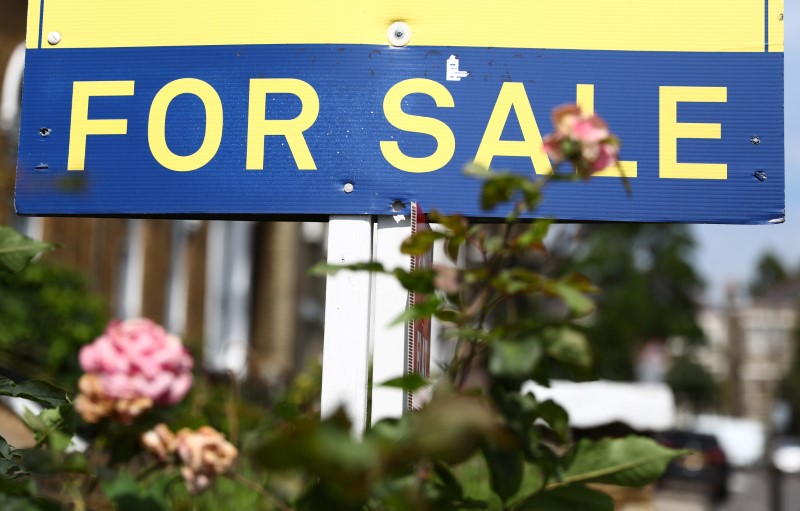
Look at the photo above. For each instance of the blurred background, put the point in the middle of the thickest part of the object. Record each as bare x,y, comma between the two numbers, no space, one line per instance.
695,337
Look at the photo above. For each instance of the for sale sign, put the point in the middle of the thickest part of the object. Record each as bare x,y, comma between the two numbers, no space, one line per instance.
308,108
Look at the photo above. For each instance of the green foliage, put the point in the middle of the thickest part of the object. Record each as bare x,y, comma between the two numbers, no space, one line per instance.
692,383
569,498
16,250
631,461
480,443
770,272
47,313
409,382
42,392
648,289
128,495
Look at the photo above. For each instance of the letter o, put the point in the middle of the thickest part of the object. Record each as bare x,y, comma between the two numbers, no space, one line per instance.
156,125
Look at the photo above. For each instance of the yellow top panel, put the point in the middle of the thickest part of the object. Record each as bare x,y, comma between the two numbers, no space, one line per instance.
645,25
775,25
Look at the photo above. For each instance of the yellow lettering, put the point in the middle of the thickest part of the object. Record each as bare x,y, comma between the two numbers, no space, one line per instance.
80,124
584,97
445,140
156,135
258,127
670,130
512,95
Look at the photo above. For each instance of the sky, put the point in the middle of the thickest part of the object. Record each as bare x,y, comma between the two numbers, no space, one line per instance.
729,253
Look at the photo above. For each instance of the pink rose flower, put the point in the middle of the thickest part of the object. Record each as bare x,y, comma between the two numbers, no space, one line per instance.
138,358
564,118
590,130
582,140
552,146
607,156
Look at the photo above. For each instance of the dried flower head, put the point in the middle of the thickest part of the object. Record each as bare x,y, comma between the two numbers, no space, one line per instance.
161,442
205,454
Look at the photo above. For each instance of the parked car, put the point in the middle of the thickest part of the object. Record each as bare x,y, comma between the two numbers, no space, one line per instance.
706,468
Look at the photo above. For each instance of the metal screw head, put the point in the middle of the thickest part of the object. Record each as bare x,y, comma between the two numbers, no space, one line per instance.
53,38
398,34
348,188
755,140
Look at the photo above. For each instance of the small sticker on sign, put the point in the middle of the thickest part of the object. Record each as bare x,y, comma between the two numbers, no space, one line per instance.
453,73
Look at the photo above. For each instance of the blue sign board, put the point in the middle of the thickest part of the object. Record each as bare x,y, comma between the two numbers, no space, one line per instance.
225,119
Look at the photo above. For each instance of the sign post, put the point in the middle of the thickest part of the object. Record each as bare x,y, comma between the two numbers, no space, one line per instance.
345,356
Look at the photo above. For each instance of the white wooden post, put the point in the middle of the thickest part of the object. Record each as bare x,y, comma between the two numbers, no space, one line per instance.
345,353
390,344
360,314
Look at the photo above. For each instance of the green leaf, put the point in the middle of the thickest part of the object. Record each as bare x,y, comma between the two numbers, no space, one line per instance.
409,382
578,303
287,410
424,309
568,498
515,360
421,242
41,392
420,280
457,225
448,480
448,315
16,250
517,280
556,417
9,462
498,189
128,495
631,461
569,346
323,269
5,449
534,234
452,246
506,469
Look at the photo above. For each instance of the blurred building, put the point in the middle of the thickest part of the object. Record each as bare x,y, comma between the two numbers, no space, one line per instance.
751,346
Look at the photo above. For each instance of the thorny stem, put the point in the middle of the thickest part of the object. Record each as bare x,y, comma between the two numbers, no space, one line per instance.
466,351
